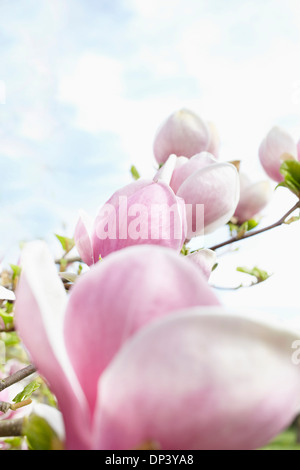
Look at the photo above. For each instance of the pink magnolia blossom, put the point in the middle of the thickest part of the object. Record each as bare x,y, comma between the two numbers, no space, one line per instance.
75,339
254,197
142,352
276,147
185,133
202,180
142,212
230,386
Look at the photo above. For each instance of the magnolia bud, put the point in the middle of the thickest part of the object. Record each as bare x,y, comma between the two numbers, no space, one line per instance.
183,133
275,148
253,198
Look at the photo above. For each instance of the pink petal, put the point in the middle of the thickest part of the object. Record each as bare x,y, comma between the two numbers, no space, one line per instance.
40,306
166,171
183,134
254,197
144,212
195,163
276,147
214,141
82,239
205,259
216,188
201,379
121,294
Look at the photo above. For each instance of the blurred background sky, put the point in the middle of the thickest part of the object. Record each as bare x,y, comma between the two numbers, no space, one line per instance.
86,83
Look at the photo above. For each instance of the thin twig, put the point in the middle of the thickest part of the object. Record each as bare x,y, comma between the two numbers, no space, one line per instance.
257,232
76,259
241,286
17,376
5,406
20,404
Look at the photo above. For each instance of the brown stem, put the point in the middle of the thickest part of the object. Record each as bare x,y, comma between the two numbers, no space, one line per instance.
17,376
4,406
257,232
76,259
20,404
11,427
7,330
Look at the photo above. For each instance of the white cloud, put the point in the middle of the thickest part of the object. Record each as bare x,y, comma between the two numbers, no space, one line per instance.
114,74
94,87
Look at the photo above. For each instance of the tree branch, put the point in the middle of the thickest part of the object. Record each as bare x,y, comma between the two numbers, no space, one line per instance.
5,406
11,427
17,376
257,232
75,259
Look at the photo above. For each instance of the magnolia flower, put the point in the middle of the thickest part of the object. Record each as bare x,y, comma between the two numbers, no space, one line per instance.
254,197
185,133
75,339
142,212
230,386
275,148
202,181
142,355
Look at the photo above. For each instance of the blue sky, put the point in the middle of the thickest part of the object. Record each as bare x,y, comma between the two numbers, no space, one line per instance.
89,82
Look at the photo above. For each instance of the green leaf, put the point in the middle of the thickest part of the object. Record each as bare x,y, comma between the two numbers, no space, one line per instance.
10,338
258,273
27,391
7,318
290,169
15,443
214,267
40,435
285,441
292,219
185,250
66,242
241,229
252,223
134,173
289,185
9,307
16,270
47,395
